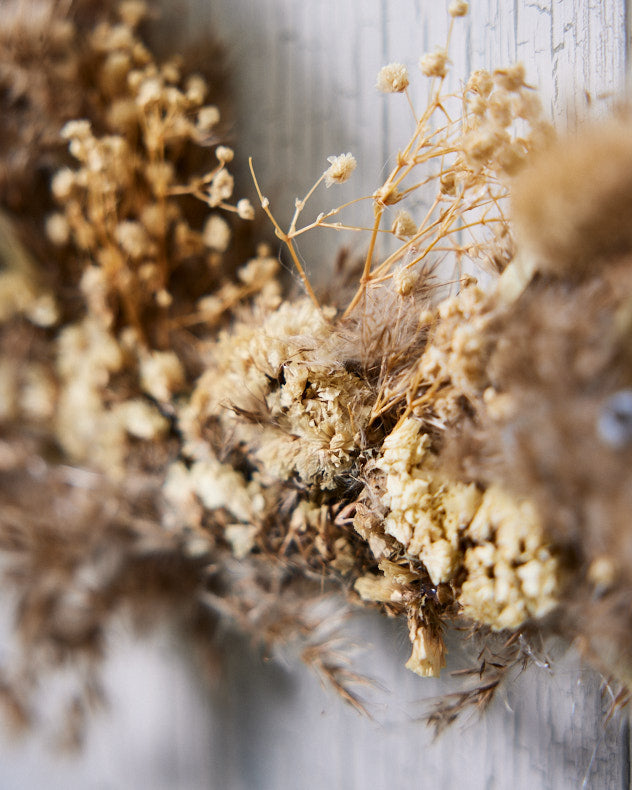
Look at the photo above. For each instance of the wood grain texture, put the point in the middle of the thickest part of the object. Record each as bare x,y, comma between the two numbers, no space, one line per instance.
304,76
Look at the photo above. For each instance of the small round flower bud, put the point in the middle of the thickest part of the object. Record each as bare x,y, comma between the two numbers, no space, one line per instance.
393,78
207,118
216,233
434,64
224,154
404,225
63,183
196,89
58,229
245,209
511,78
458,8
340,168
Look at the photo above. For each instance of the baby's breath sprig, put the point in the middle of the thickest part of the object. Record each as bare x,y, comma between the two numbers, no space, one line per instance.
285,237
474,149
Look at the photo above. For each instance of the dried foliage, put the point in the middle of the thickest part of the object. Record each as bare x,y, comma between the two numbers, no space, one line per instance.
178,438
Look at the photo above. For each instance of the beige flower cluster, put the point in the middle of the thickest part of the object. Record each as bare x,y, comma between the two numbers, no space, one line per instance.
305,412
120,207
495,105
489,547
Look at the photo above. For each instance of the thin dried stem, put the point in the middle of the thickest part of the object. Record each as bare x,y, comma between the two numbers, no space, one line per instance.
281,234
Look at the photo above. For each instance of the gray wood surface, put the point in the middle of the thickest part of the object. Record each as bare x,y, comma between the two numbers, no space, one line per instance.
304,74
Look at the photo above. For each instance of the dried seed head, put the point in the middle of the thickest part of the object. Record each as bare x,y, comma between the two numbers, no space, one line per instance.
133,238
221,188
340,168
196,89
58,229
458,8
216,233
480,145
404,225
434,64
207,118
393,78
476,105
405,280
224,154
245,209
171,71
511,78
480,82
63,184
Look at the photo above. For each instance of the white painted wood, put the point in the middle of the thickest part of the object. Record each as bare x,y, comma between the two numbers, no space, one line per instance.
304,75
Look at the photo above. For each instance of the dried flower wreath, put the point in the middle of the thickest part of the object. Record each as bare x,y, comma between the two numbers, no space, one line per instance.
181,438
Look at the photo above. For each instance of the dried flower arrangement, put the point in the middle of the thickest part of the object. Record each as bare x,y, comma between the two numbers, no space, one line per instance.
181,438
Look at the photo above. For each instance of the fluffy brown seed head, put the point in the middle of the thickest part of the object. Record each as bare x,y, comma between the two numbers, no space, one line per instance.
571,208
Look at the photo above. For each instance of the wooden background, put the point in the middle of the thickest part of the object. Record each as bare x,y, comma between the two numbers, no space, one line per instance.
304,76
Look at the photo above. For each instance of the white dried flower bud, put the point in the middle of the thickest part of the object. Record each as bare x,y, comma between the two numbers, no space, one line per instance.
196,89
161,374
174,99
340,168
134,79
221,188
164,298
76,129
480,82
207,118
511,78
479,146
141,54
499,108
142,419
149,92
58,229
434,64
458,8
245,209
476,105
393,78
160,176
602,572
43,311
63,183
216,233
224,154
133,238
404,225
405,280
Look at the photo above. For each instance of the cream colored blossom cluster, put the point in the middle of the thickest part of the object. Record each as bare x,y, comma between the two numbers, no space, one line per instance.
487,545
467,153
496,103
205,483
95,424
258,277
304,411
120,206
